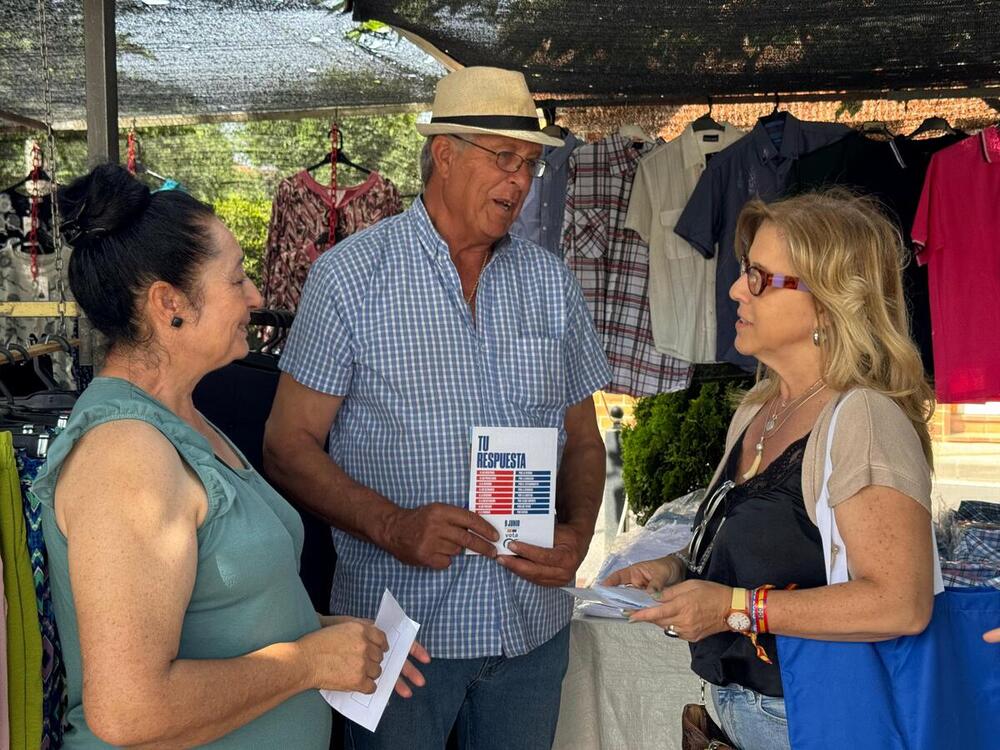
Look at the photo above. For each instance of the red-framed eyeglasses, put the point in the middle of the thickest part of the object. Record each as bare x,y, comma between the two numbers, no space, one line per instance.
758,279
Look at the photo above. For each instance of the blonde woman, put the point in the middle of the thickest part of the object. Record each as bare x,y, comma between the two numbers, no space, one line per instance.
821,307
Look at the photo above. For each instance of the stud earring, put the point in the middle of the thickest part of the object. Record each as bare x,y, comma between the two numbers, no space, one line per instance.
816,336
176,321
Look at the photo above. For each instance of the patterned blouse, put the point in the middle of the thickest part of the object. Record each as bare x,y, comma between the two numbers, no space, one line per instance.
300,228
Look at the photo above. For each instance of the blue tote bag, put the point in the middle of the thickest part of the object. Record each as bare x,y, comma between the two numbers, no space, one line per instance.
933,691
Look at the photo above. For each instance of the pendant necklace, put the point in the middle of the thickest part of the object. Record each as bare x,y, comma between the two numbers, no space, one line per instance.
475,287
769,428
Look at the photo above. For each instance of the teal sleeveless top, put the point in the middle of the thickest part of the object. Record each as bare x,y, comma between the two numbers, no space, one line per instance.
247,593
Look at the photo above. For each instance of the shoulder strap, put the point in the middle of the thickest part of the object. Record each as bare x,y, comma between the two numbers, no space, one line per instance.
834,551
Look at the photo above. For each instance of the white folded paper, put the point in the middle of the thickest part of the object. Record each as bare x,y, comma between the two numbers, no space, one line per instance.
400,631
617,599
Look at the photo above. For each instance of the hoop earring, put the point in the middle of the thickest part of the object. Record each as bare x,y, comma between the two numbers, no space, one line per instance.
816,336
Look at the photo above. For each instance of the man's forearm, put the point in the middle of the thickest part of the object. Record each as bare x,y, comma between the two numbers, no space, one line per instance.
580,486
309,477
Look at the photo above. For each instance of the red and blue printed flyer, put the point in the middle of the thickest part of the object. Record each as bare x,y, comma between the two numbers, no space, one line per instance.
512,483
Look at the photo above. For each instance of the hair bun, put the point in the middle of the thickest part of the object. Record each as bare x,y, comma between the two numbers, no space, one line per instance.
101,203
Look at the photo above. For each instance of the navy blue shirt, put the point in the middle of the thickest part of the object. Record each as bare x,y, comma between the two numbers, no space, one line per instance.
752,167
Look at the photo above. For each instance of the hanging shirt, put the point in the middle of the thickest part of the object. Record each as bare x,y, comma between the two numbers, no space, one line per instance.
384,324
541,215
751,167
300,228
957,233
611,262
681,280
893,172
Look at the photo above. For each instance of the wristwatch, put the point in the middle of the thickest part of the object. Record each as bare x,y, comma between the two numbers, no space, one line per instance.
738,619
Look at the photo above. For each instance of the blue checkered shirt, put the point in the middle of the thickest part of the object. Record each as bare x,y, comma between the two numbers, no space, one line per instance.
383,323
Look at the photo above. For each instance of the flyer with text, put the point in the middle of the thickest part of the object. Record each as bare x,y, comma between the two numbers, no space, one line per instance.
513,483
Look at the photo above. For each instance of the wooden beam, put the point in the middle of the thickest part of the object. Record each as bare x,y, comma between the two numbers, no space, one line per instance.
22,121
100,49
152,121
37,309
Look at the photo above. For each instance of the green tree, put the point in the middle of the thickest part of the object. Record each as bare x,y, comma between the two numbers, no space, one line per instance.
248,219
675,444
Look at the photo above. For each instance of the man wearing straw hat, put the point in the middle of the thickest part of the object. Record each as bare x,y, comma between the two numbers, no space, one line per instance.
409,335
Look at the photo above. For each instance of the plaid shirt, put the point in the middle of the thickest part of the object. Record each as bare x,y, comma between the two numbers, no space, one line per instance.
612,265
383,323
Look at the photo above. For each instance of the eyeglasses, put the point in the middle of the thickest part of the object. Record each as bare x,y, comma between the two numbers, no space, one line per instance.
510,162
758,278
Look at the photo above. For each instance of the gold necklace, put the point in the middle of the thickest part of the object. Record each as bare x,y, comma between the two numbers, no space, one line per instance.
475,287
770,429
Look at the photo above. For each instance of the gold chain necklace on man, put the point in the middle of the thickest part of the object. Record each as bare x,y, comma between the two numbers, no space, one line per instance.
769,428
475,287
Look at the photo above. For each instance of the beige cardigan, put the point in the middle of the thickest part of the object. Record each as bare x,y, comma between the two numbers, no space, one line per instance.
874,444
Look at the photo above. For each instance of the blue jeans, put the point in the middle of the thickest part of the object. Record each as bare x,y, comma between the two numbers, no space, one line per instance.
751,720
494,703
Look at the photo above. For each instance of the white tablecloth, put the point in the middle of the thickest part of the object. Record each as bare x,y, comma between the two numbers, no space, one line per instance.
624,688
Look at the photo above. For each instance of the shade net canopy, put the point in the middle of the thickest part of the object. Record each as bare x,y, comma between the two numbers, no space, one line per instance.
211,57
602,51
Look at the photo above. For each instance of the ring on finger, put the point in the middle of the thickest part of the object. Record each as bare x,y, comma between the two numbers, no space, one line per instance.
671,632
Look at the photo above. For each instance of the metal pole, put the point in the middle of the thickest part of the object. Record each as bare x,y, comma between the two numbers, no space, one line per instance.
614,487
102,80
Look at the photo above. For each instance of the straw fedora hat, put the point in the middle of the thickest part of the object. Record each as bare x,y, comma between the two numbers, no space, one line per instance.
489,101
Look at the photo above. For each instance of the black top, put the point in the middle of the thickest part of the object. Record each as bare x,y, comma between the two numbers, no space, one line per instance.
893,172
767,537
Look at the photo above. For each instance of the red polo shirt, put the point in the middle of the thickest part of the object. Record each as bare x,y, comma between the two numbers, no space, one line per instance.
957,235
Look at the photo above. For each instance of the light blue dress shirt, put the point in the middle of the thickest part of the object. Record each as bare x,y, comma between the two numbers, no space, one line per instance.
383,323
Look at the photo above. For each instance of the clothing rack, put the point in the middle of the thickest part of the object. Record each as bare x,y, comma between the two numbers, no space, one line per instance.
38,350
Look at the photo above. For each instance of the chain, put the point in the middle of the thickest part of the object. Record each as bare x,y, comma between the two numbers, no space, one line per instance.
57,243
332,215
36,199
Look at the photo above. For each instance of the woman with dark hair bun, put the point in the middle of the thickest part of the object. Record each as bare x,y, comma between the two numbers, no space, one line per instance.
174,565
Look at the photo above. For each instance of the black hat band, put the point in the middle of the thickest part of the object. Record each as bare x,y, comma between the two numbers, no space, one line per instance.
491,122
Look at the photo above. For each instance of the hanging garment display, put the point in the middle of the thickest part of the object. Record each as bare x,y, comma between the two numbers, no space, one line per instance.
893,172
757,165
301,217
27,276
53,670
611,262
681,280
957,234
541,216
24,643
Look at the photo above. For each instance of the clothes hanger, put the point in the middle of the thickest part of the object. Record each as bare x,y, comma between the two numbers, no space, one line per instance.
876,128
43,176
775,115
933,124
551,129
341,159
705,122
